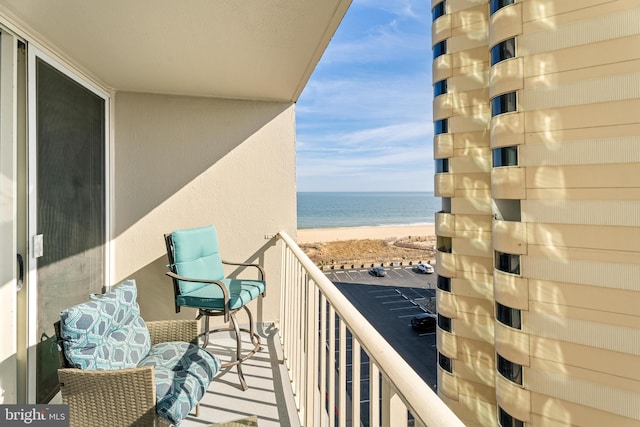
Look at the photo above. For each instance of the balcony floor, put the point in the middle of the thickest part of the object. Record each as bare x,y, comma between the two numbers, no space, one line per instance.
269,395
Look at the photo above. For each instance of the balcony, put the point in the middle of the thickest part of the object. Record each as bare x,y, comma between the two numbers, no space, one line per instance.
510,236
445,224
324,364
444,185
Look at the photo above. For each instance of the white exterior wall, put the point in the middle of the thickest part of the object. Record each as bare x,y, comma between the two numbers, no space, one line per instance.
180,162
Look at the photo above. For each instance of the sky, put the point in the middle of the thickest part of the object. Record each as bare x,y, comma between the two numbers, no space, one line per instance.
364,120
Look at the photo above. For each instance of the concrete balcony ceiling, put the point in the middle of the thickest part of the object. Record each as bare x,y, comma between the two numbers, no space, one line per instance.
249,49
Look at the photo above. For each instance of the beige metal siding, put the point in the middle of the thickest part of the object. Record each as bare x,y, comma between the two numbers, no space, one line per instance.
577,78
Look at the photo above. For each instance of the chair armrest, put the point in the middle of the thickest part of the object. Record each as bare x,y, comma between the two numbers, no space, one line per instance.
173,330
219,284
118,397
260,269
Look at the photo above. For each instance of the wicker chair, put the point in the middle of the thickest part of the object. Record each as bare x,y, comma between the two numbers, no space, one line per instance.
120,397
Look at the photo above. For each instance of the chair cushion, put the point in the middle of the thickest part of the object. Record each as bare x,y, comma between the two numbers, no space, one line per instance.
196,255
241,292
182,374
106,332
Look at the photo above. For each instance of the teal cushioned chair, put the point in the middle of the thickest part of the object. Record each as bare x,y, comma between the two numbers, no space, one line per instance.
196,269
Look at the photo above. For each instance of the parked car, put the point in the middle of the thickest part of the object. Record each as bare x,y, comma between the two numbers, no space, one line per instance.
425,268
424,322
378,271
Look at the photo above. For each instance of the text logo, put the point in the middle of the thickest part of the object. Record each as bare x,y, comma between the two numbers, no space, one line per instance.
34,415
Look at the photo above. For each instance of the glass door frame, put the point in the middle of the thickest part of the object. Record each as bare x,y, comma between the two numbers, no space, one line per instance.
9,244
34,53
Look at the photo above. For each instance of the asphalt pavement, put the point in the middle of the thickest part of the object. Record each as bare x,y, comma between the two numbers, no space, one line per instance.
389,303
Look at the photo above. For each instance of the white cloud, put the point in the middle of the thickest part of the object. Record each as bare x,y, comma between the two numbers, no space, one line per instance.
405,8
365,118
401,134
386,98
382,43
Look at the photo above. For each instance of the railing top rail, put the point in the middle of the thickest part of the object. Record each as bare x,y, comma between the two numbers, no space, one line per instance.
418,396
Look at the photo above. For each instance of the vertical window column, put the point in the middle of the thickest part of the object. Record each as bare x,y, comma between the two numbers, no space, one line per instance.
444,323
439,49
509,370
444,283
508,316
506,420
505,156
445,362
438,10
503,51
505,103
441,126
440,88
509,263
444,244
442,165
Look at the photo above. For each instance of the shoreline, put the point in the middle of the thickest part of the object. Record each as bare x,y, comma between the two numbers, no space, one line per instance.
380,232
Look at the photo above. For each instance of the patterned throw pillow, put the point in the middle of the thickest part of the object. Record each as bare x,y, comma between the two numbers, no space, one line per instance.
107,332
182,373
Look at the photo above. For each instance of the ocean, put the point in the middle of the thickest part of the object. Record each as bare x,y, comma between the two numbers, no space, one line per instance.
366,209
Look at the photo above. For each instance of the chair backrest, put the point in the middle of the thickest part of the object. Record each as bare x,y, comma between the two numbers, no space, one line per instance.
193,253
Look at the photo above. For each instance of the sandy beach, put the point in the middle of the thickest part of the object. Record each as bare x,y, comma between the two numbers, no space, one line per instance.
315,235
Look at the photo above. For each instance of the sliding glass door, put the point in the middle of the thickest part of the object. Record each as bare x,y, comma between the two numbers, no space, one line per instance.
67,206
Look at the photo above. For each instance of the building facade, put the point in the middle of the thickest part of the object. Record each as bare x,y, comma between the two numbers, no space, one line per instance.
537,148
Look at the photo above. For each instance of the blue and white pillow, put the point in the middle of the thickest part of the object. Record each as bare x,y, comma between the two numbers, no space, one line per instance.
182,373
107,332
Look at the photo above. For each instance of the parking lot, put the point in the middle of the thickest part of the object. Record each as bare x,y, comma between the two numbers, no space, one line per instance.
401,277
389,303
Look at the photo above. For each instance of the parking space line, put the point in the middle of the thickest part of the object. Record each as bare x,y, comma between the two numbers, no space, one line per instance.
394,302
409,315
402,308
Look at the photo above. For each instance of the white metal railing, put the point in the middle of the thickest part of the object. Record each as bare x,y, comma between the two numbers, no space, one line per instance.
322,384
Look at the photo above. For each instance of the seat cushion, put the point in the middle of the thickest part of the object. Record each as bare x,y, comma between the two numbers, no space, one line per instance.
241,292
106,332
182,374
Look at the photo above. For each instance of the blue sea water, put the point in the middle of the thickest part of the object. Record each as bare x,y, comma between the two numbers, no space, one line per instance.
366,209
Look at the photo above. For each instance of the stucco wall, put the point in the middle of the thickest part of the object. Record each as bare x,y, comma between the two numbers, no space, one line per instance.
181,162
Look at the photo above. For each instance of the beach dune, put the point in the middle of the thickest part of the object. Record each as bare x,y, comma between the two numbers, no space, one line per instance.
315,235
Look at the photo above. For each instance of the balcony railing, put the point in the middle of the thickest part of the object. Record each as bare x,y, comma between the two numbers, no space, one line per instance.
330,386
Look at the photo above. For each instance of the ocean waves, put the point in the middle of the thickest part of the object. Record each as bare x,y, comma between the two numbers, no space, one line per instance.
366,209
